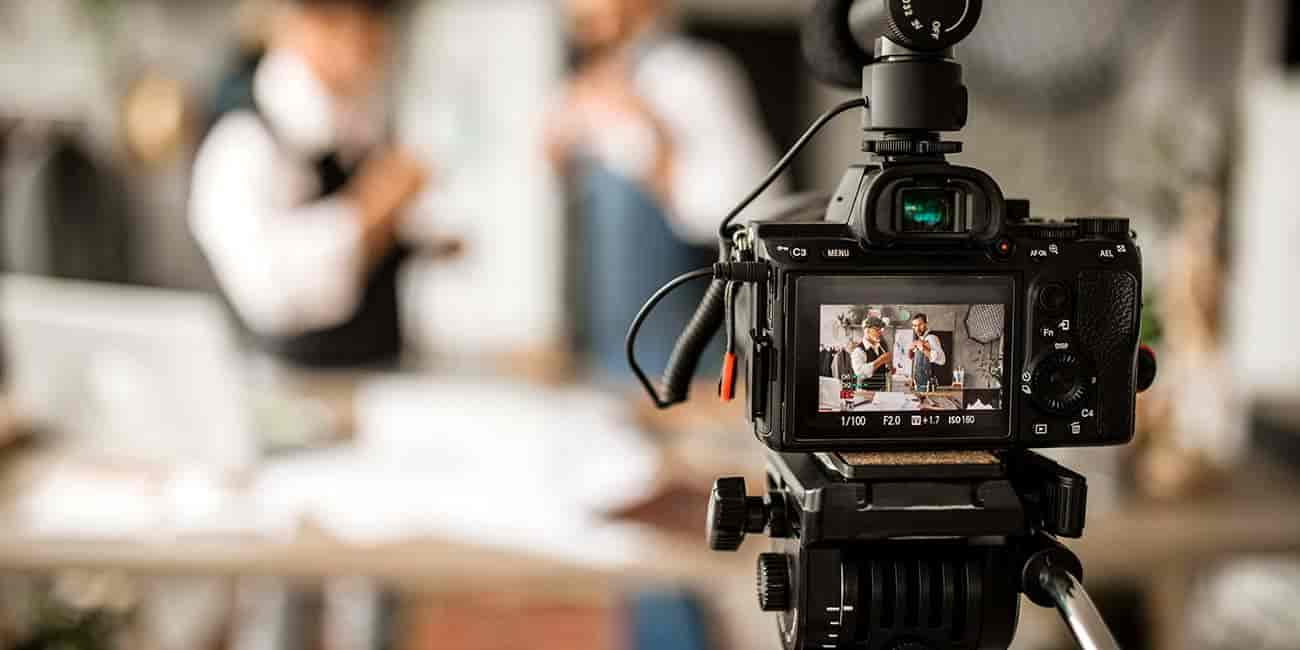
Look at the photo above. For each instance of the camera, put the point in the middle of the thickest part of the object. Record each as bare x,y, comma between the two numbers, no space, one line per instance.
906,342
925,311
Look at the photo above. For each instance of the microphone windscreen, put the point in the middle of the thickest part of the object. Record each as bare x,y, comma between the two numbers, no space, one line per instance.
829,47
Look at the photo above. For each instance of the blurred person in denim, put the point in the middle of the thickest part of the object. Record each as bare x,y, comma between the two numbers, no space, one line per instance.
296,199
659,137
926,352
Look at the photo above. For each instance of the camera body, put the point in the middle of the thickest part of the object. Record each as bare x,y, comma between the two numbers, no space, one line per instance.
927,312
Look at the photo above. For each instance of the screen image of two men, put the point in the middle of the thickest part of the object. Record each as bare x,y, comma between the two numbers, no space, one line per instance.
910,358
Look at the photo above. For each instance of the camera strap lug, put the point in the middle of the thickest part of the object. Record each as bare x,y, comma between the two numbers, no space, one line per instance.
741,245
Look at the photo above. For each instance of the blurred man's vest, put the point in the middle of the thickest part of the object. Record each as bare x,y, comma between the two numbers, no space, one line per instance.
923,370
877,380
372,336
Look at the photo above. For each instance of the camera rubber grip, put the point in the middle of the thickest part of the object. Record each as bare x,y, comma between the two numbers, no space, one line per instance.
1109,310
685,359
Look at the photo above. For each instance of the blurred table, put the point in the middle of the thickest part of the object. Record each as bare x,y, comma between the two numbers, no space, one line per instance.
1157,547
430,565
427,565
1256,511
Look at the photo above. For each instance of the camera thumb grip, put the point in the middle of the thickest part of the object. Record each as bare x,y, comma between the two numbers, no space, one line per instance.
685,359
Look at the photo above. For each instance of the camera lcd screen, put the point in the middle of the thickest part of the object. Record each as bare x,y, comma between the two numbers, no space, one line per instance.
929,210
904,357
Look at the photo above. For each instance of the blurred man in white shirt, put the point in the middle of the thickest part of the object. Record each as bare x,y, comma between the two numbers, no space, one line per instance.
871,358
660,138
295,199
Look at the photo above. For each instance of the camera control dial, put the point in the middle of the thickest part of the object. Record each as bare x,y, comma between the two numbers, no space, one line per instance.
1059,382
1103,228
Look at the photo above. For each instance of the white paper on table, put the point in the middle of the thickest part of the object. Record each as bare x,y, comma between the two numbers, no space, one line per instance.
83,500
367,500
494,463
498,464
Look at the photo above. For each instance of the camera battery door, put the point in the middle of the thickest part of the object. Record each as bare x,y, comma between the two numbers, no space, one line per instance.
1079,386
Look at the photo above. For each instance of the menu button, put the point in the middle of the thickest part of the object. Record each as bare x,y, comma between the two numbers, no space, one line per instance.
840,253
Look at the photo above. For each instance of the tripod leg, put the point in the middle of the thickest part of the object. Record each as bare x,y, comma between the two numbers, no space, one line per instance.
1078,610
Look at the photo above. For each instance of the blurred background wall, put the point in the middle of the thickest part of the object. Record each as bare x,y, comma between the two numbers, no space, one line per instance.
1075,105
1182,115
1109,107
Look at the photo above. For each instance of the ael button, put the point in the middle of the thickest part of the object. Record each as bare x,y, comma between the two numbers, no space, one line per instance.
1110,253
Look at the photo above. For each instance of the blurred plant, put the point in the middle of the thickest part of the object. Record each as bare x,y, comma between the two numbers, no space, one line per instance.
58,625
102,9
1152,325
102,20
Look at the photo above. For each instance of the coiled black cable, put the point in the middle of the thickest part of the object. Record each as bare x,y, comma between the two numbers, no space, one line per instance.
632,331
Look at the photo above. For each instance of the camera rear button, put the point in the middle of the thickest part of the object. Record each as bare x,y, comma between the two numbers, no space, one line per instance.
1053,298
837,253
788,253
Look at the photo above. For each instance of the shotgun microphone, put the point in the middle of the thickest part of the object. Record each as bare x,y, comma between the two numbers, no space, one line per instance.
840,37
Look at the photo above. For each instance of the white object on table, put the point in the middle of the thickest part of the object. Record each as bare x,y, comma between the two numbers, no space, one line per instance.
127,373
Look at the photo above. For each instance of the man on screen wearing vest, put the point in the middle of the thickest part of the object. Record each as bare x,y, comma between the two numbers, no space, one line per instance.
296,200
926,353
871,359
